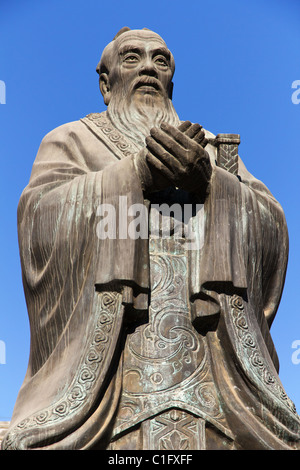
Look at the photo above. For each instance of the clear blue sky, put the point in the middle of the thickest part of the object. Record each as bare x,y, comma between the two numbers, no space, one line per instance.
236,61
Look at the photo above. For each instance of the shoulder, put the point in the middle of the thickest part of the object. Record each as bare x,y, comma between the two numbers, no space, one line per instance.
64,132
75,142
209,135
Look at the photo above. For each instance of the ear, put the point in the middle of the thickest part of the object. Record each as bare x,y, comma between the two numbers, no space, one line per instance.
105,87
170,90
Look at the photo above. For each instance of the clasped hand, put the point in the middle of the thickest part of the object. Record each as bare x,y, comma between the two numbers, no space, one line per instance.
175,157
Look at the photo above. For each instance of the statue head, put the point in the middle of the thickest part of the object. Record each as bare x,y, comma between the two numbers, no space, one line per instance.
135,79
136,63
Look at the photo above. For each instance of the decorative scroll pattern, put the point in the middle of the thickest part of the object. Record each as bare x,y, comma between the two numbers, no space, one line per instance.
86,377
100,124
168,349
250,351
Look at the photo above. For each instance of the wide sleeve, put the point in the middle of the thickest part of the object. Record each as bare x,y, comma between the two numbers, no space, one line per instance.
75,283
245,247
57,223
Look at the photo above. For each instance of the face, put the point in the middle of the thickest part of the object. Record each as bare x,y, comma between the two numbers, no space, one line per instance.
142,68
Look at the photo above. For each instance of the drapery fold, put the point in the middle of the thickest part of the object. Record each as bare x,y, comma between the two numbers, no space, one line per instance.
78,287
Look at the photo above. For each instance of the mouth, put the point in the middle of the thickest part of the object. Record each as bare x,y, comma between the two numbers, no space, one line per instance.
148,84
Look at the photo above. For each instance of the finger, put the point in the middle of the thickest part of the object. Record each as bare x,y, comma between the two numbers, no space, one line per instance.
204,143
199,137
193,131
161,152
167,144
158,169
184,126
183,140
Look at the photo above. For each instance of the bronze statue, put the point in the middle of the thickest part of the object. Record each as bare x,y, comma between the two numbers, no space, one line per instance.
153,265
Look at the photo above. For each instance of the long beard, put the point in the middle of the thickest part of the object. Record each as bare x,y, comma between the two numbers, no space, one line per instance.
135,119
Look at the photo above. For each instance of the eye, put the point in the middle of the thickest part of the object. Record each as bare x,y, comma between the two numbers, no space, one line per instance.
161,61
130,58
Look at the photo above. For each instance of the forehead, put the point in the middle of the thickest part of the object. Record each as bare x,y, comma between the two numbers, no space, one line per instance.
141,40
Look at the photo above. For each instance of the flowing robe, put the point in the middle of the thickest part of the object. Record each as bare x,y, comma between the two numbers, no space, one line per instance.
82,292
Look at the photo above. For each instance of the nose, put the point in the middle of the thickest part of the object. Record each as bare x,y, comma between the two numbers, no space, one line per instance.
148,68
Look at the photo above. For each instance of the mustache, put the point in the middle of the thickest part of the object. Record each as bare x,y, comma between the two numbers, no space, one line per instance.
148,81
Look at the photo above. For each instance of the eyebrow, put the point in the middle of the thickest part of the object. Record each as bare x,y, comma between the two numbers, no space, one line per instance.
162,51
134,48
129,48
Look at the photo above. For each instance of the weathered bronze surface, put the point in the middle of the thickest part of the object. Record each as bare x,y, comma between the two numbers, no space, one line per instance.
151,330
